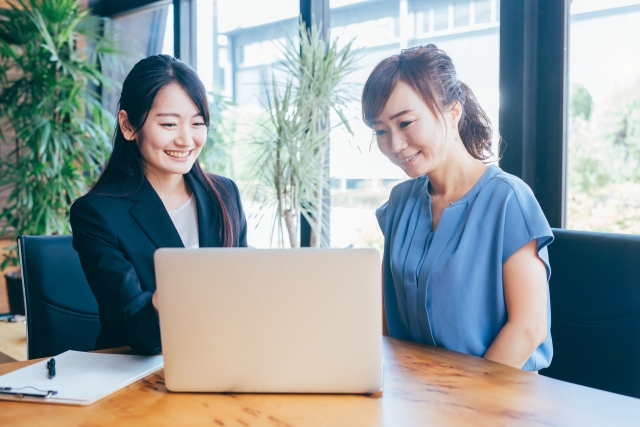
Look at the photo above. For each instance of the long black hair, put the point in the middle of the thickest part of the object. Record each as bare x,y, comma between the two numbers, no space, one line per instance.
139,91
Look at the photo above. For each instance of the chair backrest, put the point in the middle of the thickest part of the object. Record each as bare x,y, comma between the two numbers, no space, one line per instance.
61,311
595,310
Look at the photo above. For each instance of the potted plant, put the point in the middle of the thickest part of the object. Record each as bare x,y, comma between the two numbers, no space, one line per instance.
51,57
293,149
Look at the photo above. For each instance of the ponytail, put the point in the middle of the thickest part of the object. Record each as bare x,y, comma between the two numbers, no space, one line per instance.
475,127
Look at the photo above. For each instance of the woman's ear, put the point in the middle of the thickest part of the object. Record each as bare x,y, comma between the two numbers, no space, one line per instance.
125,126
456,113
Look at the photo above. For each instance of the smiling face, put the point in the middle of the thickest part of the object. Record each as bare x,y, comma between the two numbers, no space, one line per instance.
173,134
410,135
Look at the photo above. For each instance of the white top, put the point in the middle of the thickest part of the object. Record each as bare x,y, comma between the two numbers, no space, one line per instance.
185,219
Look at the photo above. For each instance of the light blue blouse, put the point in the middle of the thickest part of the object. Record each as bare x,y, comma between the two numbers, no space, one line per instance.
444,288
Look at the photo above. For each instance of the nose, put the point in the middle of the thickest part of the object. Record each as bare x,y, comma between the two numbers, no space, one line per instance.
185,137
397,143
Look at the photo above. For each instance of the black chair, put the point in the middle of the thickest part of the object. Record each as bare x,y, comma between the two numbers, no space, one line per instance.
61,311
595,310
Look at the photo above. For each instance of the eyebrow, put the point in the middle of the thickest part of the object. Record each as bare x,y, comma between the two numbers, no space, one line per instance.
375,122
175,115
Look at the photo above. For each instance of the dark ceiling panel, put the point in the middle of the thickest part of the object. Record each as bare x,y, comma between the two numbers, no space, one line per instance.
115,7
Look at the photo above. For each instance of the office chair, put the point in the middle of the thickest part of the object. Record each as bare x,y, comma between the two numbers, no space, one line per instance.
61,311
595,310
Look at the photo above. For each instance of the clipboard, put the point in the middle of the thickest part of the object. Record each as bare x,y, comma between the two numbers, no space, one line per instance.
81,378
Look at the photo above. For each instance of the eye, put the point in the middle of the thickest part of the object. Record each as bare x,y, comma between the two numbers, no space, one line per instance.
405,124
199,124
168,125
379,132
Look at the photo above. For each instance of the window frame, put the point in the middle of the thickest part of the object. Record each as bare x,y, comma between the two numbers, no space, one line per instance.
533,84
534,40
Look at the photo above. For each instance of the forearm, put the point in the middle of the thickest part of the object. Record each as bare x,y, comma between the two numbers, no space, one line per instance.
513,346
140,323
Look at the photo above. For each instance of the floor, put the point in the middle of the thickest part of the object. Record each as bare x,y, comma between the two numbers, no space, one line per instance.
13,335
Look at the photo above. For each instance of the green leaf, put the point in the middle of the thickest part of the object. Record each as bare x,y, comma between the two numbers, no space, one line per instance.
45,99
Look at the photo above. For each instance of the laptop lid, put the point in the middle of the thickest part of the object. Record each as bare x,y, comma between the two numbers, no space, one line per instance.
271,320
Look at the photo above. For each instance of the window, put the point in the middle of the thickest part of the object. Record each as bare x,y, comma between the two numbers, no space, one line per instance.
238,42
603,181
482,11
361,176
238,45
141,33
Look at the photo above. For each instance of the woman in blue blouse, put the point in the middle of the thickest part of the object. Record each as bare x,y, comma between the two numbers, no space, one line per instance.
465,257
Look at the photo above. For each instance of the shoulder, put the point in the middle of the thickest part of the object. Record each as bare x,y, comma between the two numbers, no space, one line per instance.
226,187
405,187
401,193
91,201
508,184
516,210
106,199
514,194
227,190
223,182
399,196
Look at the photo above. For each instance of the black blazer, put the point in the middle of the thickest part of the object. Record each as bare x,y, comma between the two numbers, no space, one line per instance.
116,233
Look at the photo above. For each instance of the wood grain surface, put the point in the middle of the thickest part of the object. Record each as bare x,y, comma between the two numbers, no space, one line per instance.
423,386
13,340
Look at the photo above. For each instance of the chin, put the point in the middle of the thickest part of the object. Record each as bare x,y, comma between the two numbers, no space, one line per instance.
180,170
414,172
424,168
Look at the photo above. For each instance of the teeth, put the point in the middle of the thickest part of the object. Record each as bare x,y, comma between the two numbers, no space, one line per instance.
178,154
408,159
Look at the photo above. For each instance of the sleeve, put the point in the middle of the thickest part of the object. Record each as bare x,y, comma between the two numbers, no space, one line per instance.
524,222
123,304
242,220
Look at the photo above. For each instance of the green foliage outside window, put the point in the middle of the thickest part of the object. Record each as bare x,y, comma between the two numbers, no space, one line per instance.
217,153
604,160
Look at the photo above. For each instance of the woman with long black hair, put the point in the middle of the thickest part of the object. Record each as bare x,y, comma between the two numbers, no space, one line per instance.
152,194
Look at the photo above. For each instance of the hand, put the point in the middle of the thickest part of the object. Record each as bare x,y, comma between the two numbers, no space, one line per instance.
154,300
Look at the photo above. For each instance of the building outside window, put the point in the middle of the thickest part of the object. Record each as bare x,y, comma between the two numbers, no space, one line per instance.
239,42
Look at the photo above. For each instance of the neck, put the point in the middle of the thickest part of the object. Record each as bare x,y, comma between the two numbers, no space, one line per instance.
456,174
171,188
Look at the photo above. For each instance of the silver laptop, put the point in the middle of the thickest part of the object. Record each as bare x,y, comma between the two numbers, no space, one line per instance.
271,320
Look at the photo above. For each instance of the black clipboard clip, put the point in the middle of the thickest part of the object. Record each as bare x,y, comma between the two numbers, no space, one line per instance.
14,391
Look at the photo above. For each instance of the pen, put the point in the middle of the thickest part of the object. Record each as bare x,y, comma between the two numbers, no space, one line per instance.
51,366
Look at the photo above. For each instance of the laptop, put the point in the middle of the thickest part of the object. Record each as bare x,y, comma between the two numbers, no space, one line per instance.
270,320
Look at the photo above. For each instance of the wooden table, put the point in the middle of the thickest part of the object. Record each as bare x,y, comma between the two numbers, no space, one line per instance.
423,386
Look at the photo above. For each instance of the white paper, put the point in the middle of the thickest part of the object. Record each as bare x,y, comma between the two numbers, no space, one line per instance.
81,378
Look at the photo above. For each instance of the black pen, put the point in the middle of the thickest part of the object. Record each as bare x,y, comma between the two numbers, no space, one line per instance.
51,366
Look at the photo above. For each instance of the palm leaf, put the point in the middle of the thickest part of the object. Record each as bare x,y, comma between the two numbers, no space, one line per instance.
294,145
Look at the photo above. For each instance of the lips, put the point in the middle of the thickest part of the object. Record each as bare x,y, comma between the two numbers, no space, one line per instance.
178,154
408,159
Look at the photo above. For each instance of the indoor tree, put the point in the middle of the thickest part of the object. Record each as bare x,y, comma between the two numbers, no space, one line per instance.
52,55
294,142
